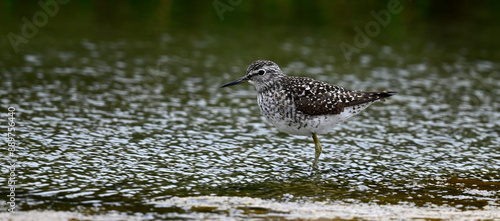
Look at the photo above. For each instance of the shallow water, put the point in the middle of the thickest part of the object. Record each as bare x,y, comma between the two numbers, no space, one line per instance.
116,125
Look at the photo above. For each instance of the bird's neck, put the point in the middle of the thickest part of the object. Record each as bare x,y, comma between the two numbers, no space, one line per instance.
268,85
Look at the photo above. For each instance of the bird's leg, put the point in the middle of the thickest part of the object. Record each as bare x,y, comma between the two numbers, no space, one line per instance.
317,152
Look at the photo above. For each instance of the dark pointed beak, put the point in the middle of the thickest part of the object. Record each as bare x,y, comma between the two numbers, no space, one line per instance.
239,81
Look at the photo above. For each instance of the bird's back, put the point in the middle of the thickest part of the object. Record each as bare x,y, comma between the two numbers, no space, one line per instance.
302,106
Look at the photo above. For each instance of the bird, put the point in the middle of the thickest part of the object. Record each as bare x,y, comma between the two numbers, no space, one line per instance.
304,106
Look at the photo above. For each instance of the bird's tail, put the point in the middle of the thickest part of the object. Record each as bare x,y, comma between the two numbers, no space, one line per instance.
370,96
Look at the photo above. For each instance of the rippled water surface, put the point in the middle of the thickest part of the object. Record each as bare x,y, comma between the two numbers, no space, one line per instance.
127,126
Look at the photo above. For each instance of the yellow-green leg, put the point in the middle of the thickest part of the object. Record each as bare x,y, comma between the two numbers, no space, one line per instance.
317,151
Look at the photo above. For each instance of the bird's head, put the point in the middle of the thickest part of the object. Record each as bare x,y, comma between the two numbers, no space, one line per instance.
259,73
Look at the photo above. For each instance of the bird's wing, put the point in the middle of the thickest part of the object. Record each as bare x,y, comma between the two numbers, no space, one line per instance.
314,97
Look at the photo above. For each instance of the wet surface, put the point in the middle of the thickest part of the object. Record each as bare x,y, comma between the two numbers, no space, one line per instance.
111,126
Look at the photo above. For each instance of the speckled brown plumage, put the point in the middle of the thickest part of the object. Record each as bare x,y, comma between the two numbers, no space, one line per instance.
313,97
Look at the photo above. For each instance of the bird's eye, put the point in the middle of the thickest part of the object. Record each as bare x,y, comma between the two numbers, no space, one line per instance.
261,72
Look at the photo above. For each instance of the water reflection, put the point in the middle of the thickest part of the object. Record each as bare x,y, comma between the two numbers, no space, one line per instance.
118,140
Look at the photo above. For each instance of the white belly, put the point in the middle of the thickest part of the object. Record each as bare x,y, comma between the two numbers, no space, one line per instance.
289,121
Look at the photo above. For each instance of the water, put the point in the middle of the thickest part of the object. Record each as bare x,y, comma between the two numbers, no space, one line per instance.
134,124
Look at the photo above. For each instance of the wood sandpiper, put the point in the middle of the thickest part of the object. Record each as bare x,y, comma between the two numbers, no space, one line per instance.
304,106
